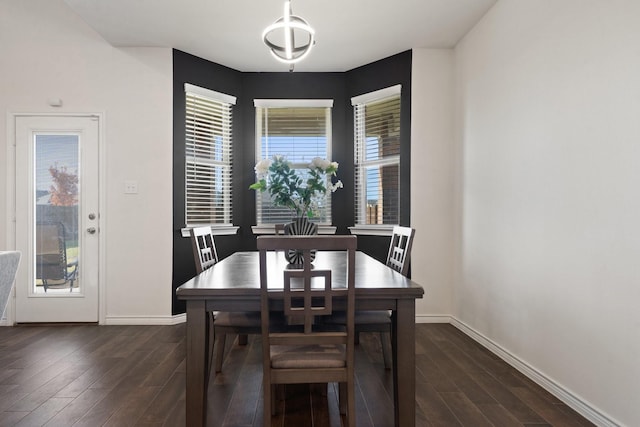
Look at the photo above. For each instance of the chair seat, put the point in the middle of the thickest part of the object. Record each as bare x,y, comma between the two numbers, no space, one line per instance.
369,321
245,319
365,317
308,357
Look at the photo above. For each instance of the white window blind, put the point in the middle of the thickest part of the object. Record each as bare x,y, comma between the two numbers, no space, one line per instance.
298,130
208,157
377,157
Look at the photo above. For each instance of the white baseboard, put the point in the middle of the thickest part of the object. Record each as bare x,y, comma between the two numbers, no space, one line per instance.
433,318
570,399
146,320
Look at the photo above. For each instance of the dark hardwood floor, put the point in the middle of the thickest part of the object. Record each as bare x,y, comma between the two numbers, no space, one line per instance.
135,376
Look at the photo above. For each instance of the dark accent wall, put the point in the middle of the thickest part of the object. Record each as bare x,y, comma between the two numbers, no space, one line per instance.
368,78
249,86
293,86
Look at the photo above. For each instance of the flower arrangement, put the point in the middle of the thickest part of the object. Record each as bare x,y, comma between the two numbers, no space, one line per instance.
290,189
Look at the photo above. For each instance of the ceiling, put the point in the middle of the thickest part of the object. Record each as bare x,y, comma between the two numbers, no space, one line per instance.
349,33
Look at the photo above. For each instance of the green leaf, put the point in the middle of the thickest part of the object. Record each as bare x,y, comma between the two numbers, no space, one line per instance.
260,185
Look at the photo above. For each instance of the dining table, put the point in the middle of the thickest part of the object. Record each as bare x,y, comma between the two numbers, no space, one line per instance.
233,284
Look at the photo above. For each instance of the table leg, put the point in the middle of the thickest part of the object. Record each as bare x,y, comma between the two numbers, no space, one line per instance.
404,362
196,395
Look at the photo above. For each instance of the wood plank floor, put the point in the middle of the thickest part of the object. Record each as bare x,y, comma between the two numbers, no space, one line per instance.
135,376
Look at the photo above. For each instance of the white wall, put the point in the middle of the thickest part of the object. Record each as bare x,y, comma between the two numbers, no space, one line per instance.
537,250
549,123
48,52
432,180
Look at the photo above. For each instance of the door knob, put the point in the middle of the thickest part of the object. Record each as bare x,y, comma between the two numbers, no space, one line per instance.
91,230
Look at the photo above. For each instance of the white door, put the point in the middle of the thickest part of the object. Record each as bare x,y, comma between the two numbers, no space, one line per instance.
57,218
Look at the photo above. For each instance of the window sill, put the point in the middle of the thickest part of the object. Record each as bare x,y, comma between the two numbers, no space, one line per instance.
372,230
216,230
270,229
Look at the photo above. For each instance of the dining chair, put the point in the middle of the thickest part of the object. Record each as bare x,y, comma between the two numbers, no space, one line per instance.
52,262
221,323
9,261
309,353
399,255
278,229
379,321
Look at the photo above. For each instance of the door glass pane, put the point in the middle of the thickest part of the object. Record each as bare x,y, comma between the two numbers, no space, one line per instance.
56,214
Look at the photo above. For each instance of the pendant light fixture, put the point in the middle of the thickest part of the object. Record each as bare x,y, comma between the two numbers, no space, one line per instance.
284,31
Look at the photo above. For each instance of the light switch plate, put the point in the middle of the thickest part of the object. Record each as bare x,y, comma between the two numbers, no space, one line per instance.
131,187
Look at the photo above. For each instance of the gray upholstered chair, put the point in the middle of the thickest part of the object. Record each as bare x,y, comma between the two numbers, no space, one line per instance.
398,258
9,261
240,323
379,321
308,353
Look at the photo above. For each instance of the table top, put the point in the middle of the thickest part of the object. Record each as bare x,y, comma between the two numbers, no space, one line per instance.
239,275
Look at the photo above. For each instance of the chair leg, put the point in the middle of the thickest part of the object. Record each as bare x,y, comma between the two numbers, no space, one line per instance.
268,404
347,399
342,398
243,339
277,395
220,343
351,403
385,340
211,336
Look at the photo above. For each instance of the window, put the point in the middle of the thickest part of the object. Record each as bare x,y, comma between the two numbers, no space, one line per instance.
208,157
299,130
377,157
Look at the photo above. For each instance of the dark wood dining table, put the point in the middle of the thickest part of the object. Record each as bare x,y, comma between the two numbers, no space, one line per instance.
233,284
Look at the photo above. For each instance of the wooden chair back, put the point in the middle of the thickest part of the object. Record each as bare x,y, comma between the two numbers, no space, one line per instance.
399,255
51,251
204,248
309,354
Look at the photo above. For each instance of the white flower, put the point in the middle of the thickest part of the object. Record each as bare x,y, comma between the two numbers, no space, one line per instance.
287,187
320,163
334,187
262,167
